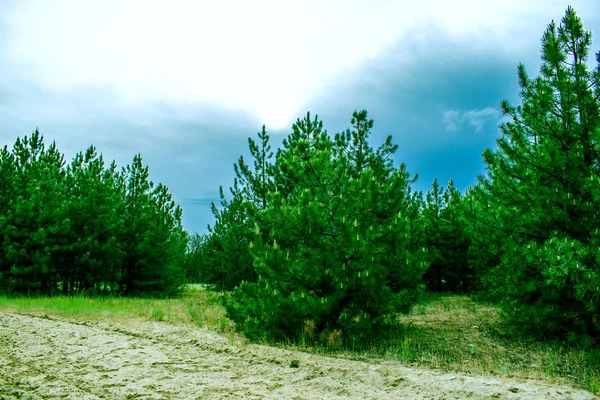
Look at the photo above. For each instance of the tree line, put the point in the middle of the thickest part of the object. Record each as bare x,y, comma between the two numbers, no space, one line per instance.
84,227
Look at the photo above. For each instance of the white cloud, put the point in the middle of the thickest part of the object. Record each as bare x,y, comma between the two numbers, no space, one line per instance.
452,119
266,57
477,118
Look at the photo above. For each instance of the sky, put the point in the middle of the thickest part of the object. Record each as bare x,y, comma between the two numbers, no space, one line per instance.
186,82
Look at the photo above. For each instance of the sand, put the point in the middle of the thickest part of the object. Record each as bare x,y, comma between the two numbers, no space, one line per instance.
43,357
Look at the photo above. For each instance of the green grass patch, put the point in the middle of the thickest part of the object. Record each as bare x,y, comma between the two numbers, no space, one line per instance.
195,306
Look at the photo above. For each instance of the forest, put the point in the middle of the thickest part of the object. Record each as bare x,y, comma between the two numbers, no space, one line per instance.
326,234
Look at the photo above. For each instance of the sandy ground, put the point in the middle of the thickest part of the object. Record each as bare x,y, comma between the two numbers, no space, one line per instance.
45,357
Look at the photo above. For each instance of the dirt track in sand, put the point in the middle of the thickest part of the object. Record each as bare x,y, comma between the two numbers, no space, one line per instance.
45,357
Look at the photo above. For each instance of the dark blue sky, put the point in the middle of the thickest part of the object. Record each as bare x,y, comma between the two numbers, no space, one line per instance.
436,93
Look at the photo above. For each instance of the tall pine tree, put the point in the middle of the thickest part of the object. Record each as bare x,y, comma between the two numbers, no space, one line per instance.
542,191
152,239
32,223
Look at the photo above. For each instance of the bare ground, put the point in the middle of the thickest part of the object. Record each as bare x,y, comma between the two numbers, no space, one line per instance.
44,357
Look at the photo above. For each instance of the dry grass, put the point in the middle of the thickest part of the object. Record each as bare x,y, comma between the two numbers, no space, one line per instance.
450,333
456,333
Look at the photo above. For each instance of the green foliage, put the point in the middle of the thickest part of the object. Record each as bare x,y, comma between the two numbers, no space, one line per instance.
32,218
84,228
193,262
335,243
153,235
447,241
90,255
227,261
542,191
486,237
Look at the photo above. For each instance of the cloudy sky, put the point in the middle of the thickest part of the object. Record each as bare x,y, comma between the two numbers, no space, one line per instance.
186,82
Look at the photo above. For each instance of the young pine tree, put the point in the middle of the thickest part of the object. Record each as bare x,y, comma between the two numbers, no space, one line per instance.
334,248
227,260
543,191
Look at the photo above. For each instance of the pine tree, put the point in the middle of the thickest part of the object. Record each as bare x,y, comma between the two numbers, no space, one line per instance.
163,246
90,255
447,240
227,258
152,239
333,249
254,185
434,203
33,216
8,182
543,190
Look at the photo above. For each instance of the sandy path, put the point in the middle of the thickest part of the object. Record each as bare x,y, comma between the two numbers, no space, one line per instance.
47,357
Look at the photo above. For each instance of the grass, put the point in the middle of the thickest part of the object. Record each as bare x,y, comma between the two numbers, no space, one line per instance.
458,334
196,306
445,332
